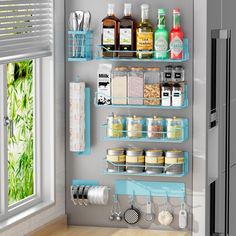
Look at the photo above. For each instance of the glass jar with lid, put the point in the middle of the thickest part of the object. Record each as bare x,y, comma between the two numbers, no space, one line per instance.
152,78
134,127
136,86
115,126
174,162
119,85
178,74
154,161
168,74
135,160
174,128
116,160
155,127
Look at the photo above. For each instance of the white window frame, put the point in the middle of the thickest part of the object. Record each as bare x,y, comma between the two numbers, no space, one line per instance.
44,191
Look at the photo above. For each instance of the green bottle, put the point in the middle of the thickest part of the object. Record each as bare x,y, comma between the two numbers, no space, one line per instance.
161,37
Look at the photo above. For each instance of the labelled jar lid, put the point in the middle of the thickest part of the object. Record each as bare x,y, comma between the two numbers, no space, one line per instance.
137,69
121,68
134,152
154,118
132,118
154,153
153,69
174,154
115,151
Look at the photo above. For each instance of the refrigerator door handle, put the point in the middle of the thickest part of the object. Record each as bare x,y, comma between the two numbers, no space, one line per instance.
225,35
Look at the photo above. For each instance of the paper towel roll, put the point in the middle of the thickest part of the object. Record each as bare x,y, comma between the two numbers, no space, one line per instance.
77,117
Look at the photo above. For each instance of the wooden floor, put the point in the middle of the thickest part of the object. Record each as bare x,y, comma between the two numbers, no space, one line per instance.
90,231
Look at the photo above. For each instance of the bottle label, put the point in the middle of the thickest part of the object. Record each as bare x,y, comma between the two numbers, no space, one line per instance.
161,45
176,46
144,41
108,36
125,36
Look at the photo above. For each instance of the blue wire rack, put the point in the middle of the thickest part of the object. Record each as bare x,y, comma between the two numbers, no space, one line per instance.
100,49
124,173
185,102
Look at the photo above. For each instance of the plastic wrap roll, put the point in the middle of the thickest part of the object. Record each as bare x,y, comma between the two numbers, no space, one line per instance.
77,117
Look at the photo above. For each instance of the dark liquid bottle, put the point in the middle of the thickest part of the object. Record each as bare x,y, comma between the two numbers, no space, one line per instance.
127,33
110,33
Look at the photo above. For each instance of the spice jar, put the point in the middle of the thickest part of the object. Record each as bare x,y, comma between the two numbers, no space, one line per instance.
177,97
134,127
154,161
119,85
166,95
135,86
168,74
174,162
114,126
135,160
116,160
155,127
178,74
152,78
174,127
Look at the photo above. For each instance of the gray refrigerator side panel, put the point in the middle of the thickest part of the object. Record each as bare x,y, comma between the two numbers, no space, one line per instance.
91,167
228,22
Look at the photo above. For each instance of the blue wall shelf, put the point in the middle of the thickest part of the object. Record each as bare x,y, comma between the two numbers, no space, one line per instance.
146,188
100,49
185,170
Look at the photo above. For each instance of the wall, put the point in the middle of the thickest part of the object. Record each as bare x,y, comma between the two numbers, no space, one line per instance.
91,167
43,217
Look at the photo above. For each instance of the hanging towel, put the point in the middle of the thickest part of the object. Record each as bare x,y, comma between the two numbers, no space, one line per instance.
77,117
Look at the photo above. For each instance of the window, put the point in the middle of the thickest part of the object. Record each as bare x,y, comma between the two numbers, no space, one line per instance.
26,46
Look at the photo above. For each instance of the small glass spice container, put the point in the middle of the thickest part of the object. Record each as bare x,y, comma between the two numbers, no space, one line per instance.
114,126
115,160
166,95
134,127
155,127
177,96
154,161
135,160
152,78
174,162
174,128
168,74
178,74
119,85
135,86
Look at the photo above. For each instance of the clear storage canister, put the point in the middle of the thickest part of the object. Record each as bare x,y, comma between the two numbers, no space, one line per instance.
134,127
135,86
174,128
174,162
168,74
178,74
135,160
155,127
119,85
154,161
114,126
115,160
152,79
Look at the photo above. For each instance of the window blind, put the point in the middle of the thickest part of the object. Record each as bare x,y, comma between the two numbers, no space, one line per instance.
26,29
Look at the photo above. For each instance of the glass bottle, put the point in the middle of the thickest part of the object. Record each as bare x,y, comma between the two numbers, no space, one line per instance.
110,33
127,33
176,37
161,37
144,35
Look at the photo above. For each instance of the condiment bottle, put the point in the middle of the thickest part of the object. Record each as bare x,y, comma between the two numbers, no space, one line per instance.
177,97
176,37
161,41
166,95
127,33
144,35
110,32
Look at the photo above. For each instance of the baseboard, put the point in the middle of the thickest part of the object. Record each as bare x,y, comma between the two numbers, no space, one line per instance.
49,228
